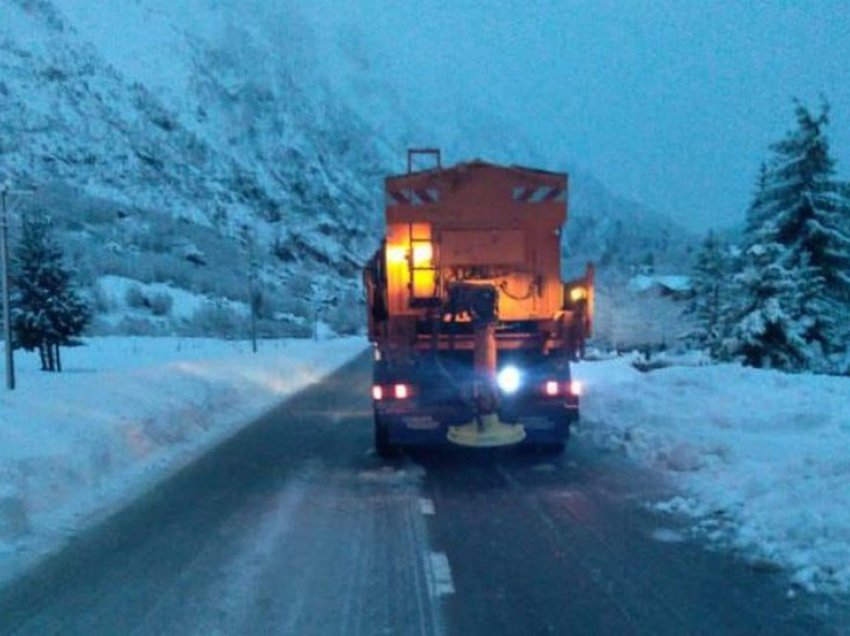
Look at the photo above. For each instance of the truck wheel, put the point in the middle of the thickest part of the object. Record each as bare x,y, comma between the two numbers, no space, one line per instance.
383,446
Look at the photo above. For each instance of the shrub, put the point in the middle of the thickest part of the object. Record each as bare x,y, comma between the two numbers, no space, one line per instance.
130,326
101,301
135,297
348,317
283,329
161,303
645,361
215,318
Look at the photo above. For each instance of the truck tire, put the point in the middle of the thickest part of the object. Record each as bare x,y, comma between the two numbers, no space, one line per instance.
383,447
553,448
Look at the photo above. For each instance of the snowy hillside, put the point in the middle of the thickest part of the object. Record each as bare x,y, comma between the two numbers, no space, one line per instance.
158,134
133,178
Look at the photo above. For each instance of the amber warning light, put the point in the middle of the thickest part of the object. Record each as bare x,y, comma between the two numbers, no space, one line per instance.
423,254
578,293
396,254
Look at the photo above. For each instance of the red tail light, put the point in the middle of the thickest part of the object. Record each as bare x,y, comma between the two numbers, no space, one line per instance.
551,387
401,391
391,392
576,388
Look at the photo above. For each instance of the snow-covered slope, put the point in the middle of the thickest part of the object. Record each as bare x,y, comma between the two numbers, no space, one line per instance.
231,114
226,141
411,111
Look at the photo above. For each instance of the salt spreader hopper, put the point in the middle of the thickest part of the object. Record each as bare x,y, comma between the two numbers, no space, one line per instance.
473,328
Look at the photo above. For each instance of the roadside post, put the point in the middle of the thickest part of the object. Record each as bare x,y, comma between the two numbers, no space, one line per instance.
5,191
249,238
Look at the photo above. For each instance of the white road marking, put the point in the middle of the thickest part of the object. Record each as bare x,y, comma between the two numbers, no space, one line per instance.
426,506
545,468
439,575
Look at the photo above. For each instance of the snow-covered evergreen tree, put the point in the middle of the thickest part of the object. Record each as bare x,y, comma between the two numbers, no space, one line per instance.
711,283
776,303
810,212
758,213
792,295
47,312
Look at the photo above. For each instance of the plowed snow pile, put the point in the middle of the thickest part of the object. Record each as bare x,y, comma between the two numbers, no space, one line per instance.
126,413
761,458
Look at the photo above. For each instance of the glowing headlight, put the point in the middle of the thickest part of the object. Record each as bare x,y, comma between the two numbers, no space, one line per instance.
508,379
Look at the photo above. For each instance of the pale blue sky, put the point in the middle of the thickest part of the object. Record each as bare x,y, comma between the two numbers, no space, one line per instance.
672,103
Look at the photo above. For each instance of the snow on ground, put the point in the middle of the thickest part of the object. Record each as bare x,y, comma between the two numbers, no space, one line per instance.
761,459
126,413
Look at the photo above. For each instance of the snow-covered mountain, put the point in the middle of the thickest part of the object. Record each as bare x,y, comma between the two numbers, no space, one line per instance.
613,231
160,133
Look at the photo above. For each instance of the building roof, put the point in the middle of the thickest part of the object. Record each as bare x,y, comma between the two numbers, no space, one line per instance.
644,282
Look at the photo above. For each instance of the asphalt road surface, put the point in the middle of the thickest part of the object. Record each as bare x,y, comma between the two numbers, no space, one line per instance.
295,527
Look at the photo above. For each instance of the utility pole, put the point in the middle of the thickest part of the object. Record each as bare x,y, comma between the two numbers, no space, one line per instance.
252,289
5,191
7,312
249,237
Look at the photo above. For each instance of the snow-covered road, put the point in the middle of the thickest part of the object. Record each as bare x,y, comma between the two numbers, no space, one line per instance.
125,414
288,527
294,526
295,509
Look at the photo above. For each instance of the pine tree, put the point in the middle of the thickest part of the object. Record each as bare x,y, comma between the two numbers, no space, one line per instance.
758,212
47,312
776,299
711,285
792,294
811,214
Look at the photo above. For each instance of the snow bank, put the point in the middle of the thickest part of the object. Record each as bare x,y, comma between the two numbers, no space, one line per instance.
761,458
126,413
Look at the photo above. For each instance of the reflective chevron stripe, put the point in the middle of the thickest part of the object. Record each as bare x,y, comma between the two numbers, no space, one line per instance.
540,194
521,194
408,196
396,197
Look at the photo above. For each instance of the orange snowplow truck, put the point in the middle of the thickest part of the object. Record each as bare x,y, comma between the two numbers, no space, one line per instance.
473,328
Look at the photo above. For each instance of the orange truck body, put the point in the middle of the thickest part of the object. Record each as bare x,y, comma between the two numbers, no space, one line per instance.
483,222
474,223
